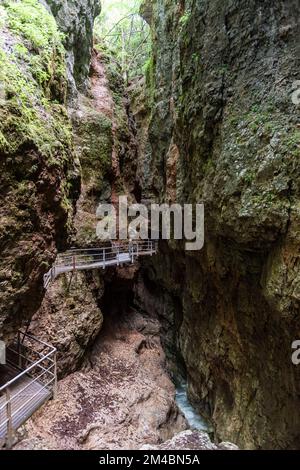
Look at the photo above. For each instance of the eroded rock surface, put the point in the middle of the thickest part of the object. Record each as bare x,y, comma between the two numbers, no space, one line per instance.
38,167
121,399
70,318
191,440
224,131
75,18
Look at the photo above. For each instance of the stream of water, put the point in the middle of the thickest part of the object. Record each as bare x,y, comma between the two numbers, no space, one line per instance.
194,420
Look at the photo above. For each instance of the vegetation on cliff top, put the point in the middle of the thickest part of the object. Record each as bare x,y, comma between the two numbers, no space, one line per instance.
126,34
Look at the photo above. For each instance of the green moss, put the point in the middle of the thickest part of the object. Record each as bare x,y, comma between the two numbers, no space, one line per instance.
38,29
95,152
33,77
264,199
208,166
249,177
184,19
264,122
21,51
28,19
3,16
291,143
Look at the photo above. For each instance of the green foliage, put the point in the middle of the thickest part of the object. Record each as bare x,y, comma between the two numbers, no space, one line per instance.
184,19
126,34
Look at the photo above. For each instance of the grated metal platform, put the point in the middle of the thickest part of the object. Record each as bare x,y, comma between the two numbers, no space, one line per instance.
27,380
27,395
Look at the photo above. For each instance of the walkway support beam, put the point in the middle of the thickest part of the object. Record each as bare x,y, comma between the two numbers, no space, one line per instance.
9,436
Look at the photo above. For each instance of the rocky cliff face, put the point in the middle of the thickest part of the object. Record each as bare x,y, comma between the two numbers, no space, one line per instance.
45,58
121,399
224,131
116,393
75,18
39,170
71,316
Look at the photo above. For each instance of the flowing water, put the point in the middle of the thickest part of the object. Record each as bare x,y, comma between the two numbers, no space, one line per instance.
194,420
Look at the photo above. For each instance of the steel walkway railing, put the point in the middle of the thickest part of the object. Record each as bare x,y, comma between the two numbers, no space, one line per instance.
30,378
95,258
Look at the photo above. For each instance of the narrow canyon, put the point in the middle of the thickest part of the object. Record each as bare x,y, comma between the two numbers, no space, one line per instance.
180,349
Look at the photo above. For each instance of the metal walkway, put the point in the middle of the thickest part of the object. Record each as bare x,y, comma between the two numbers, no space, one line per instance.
97,258
26,382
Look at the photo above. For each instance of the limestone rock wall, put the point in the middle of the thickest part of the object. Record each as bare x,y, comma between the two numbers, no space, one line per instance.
39,171
75,18
224,131
71,314
45,55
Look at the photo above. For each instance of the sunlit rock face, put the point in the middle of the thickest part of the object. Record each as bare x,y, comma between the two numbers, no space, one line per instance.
221,80
75,18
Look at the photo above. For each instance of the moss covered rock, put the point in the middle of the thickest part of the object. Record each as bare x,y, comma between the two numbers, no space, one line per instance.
75,18
39,176
221,86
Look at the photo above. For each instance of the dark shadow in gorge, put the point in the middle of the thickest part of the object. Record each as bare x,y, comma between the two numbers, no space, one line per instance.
131,291
132,288
156,302
118,295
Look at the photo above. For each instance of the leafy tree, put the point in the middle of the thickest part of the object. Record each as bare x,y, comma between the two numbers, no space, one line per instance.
126,34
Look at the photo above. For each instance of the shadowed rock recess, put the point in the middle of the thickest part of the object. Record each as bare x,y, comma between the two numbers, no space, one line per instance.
212,121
